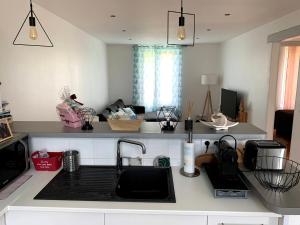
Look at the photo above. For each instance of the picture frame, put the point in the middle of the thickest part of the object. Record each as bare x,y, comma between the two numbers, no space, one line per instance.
5,130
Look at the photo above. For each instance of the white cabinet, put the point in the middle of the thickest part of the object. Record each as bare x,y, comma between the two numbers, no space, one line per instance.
53,218
241,220
291,220
148,219
81,218
2,220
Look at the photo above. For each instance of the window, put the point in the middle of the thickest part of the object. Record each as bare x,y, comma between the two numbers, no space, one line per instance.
287,77
157,77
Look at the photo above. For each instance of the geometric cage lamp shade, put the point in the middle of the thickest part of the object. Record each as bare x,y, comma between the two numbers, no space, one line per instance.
32,32
181,28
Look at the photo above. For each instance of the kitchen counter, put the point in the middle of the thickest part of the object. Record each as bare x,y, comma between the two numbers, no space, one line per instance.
193,197
147,130
287,203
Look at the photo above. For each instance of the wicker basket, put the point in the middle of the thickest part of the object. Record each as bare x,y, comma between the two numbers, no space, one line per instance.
125,125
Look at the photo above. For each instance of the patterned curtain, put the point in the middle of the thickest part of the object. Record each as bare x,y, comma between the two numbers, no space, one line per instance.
157,77
287,77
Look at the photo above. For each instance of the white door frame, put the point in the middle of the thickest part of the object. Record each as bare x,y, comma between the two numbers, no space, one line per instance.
295,142
272,93
277,41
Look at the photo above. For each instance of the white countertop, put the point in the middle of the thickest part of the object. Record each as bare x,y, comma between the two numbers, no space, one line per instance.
194,196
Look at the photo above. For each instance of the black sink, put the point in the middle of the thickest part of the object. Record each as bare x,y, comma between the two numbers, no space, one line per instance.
102,183
146,183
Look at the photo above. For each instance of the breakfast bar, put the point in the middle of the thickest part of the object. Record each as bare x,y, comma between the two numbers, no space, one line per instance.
195,201
147,130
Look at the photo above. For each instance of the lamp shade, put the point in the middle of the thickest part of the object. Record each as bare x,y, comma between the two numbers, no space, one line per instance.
209,79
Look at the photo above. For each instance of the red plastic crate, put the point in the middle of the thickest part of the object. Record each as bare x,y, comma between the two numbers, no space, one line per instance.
47,164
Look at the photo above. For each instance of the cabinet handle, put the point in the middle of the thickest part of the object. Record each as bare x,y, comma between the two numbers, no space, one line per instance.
238,224
27,158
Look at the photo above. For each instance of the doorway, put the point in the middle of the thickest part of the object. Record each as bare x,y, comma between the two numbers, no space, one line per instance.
286,90
288,37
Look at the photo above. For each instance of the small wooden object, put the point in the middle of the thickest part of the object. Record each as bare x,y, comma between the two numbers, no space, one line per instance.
243,115
205,158
125,125
5,130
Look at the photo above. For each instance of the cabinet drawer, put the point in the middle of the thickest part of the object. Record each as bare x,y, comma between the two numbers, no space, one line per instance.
53,218
241,220
143,219
2,220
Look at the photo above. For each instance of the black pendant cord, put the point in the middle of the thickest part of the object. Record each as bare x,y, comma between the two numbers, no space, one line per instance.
181,18
31,10
31,13
181,8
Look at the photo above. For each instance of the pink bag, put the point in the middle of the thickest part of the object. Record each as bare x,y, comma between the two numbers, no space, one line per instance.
68,116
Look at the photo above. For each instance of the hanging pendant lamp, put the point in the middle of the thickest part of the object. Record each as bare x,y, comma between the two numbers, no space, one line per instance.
181,29
33,33
179,32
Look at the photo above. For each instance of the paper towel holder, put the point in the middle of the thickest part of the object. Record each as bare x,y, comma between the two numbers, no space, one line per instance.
195,174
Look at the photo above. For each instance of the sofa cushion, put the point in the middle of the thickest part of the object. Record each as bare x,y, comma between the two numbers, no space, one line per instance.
130,113
119,104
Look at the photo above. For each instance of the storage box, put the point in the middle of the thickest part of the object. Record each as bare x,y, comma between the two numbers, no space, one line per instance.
125,125
47,164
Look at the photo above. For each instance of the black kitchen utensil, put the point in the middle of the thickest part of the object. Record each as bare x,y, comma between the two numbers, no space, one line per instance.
227,156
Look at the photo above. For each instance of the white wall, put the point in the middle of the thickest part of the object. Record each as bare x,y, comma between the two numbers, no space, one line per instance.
201,59
102,151
198,60
32,77
246,66
120,72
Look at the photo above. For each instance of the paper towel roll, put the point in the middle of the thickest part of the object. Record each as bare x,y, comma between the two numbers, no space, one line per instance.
189,157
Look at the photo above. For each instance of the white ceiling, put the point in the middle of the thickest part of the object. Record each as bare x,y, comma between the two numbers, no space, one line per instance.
145,21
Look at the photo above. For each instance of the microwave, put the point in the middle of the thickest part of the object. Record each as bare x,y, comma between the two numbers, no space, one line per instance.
14,159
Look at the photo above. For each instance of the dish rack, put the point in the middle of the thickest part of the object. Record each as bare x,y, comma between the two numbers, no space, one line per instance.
277,180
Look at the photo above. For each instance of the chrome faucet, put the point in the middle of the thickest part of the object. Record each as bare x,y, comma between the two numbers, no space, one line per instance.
119,158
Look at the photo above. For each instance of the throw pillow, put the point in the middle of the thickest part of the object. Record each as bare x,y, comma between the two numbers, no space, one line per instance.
130,113
120,115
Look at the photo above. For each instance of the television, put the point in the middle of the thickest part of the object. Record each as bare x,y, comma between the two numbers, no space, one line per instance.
229,103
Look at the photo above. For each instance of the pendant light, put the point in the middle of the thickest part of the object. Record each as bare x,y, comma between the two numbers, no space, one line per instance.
32,26
183,34
33,34
181,28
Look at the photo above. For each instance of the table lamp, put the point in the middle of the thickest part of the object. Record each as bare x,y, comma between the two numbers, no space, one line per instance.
208,80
